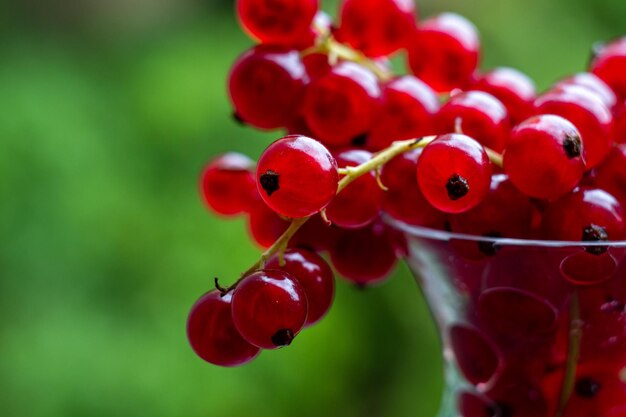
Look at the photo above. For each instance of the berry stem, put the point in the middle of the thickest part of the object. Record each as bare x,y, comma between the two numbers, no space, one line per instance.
350,174
573,352
336,50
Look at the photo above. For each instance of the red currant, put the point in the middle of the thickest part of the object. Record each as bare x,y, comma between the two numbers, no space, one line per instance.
280,22
340,106
477,114
212,333
314,275
297,176
454,173
609,64
587,112
512,87
264,225
611,175
266,86
544,157
592,83
269,308
377,27
404,200
364,256
228,185
475,354
407,109
445,51
359,204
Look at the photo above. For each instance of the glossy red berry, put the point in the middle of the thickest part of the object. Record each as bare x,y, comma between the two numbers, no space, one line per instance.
316,235
611,175
407,109
609,64
544,157
227,184
404,200
377,27
358,204
315,276
212,333
592,83
279,22
475,353
364,256
587,214
341,105
269,308
512,87
266,86
478,115
297,176
445,52
587,112
619,128
454,173
264,225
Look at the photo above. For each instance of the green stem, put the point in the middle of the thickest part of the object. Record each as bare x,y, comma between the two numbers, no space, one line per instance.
573,353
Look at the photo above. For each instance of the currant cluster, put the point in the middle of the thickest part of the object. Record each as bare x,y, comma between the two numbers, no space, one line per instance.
448,147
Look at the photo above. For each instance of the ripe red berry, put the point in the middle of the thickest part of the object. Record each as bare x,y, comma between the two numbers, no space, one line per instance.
269,308
358,204
475,353
266,86
404,200
297,176
445,51
264,225
341,105
609,64
364,256
212,333
611,175
587,214
544,157
227,184
619,129
407,109
587,112
474,405
454,173
315,276
377,27
279,22
512,87
592,83
479,115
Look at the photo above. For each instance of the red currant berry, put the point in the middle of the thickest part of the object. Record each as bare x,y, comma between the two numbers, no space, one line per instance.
513,88
316,235
474,405
297,176
454,173
341,105
364,256
544,157
588,215
315,276
444,53
592,83
377,27
280,22
266,86
609,64
587,112
358,204
611,175
404,200
228,185
619,129
269,308
264,225
477,114
407,109
212,333
475,354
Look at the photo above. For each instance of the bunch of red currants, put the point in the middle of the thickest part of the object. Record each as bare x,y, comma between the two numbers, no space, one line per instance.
447,147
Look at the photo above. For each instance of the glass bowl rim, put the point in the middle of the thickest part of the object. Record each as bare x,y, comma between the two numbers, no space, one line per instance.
442,235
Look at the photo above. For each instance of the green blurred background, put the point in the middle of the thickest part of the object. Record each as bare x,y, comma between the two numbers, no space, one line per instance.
108,111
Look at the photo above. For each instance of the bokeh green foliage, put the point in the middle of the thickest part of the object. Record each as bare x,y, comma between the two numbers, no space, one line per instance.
108,111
